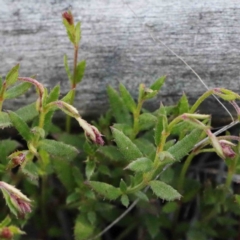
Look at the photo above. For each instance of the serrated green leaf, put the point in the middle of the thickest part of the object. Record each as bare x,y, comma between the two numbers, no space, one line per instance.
65,59
63,169
78,176
80,71
4,120
119,110
103,169
125,200
82,228
73,197
126,146
169,144
164,154
111,152
183,106
182,147
158,83
88,193
127,98
140,165
9,202
182,127
153,225
90,167
58,149
126,129
92,217
170,207
67,98
30,169
147,148
70,30
12,75
138,177
164,191
44,98
20,125
7,146
105,190
168,175
142,196
28,112
38,131
17,90
161,125
45,161
54,94
149,93
89,148
77,33
123,186
48,125
71,139
147,121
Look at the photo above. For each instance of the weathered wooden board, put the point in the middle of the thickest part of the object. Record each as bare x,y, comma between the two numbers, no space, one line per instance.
118,47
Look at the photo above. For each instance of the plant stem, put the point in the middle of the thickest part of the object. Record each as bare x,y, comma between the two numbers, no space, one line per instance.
43,203
136,119
200,100
4,86
184,171
73,86
1,103
229,178
68,121
230,173
161,145
75,66
41,119
139,186
174,122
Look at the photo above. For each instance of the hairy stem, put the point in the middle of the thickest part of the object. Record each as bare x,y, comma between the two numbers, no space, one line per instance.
136,119
73,86
184,171
200,100
4,87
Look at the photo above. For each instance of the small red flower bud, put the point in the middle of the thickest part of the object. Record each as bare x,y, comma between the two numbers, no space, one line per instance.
215,143
226,148
21,203
6,233
91,131
98,136
68,16
18,160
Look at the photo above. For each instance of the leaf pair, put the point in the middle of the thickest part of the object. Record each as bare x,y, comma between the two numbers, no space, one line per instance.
80,70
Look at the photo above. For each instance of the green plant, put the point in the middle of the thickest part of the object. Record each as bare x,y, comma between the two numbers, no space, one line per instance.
141,161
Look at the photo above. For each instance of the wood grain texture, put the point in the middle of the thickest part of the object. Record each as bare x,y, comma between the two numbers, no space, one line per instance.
118,47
